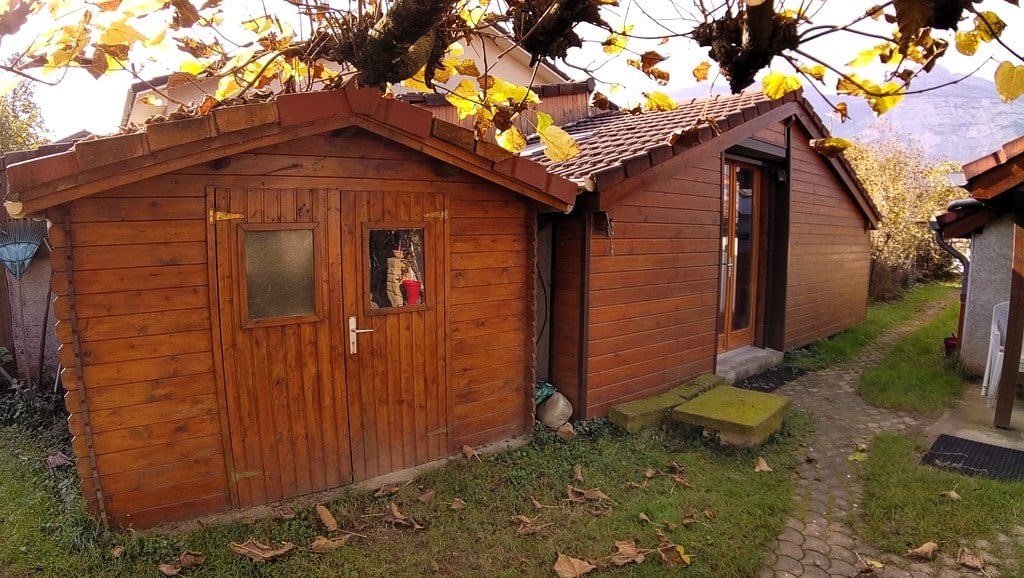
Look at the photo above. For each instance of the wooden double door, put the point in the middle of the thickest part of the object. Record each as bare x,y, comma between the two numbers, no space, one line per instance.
331,320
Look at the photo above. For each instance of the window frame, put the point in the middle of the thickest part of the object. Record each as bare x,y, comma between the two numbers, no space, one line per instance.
367,296
242,287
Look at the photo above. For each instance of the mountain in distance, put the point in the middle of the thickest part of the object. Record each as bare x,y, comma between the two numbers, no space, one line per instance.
962,121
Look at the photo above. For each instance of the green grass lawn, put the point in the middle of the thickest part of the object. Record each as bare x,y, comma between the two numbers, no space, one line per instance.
880,317
915,375
903,506
705,499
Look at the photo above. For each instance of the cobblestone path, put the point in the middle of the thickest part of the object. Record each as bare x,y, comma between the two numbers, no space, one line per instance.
817,540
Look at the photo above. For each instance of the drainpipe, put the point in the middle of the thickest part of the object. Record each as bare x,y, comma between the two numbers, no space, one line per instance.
963,280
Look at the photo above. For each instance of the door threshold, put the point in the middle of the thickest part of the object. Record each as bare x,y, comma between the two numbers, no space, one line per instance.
742,362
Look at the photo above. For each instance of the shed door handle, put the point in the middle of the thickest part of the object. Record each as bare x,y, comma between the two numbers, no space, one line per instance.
353,332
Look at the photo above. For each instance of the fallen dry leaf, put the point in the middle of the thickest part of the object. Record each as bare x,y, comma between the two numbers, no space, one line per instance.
861,447
56,460
387,490
427,496
690,517
537,505
650,473
681,481
577,473
470,453
191,558
394,516
168,569
321,544
952,495
566,432
458,504
626,552
637,486
969,559
925,551
600,510
566,567
674,555
326,517
259,552
526,525
117,551
676,467
858,457
284,512
762,466
644,518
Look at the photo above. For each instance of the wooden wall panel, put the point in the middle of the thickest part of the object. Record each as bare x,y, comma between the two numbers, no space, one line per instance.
142,353
654,286
566,308
829,251
491,354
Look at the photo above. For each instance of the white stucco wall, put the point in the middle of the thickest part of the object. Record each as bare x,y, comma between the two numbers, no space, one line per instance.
989,283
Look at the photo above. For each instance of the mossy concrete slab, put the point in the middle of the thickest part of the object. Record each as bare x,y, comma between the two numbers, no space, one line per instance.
633,416
738,416
698,385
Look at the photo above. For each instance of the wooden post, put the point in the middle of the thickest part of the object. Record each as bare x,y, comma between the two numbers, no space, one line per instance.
1014,324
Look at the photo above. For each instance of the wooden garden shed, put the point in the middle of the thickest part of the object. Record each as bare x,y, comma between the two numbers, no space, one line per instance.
285,297
694,243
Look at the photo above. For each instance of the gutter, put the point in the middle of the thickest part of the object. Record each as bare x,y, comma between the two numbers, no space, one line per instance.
963,279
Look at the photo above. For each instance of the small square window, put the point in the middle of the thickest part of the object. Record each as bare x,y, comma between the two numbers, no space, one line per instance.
396,268
279,273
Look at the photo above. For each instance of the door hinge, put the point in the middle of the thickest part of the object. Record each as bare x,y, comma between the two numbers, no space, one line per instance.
215,215
443,215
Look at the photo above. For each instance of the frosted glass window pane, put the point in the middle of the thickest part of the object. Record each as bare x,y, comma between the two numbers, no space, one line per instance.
279,273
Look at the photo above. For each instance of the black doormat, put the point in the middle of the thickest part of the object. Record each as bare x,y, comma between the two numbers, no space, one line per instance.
772,379
975,458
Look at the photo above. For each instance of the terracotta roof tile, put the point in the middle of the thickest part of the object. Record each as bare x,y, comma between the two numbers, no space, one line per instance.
992,160
611,138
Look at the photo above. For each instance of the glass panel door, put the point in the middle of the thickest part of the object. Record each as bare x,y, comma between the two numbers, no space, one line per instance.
740,233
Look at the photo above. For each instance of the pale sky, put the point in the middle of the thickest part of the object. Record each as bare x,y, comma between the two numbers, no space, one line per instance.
80,102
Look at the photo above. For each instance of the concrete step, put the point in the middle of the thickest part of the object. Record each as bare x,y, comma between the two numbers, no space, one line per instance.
738,417
739,364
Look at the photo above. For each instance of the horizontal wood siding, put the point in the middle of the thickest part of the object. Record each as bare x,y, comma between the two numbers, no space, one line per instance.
145,356
654,289
829,251
566,308
491,357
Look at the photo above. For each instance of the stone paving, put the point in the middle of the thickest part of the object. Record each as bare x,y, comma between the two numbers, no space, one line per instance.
817,541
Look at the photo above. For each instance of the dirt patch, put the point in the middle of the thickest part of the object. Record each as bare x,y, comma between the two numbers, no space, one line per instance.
772,379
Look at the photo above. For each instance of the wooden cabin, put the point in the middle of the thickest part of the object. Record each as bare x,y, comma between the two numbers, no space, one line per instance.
286,297
690,245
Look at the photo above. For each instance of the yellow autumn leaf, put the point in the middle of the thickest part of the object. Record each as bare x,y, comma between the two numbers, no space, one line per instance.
989,26
543,121
778,84
865,58
501,91
683,555
889,96
465,98
967,42
511,140
472,16
616,42
701,72
659,101
559,146
416,82
467,67
9,83
816,72
141,7
830,147
121,32
1009,81
193,66
226,88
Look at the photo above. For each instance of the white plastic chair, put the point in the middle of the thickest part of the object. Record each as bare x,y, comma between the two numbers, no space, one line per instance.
996,342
